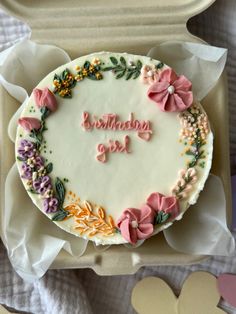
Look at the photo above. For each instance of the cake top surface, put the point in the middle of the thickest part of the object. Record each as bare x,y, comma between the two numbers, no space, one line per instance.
113,147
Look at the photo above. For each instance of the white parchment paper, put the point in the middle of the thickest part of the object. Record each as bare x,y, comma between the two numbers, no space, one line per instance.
32,240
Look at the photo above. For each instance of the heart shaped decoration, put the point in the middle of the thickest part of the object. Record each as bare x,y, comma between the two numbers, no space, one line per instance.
199,295
101,157
227,288
144,136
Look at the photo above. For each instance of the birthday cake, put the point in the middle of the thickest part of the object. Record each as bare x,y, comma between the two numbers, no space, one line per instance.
113,147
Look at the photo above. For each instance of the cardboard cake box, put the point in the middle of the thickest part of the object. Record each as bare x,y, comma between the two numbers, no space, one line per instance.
134,27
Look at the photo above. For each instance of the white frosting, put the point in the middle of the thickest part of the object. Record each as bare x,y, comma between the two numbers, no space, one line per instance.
125,180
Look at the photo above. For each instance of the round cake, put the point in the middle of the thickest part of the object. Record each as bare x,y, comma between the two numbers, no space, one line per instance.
113,147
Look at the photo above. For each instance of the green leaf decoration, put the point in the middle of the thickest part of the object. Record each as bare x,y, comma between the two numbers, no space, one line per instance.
32,191
139,65
123,61
159,65
97,68
202,164
200,155
107,69
20,158
136,74
162,217
114,60
37,135
121,74
73,84
86,65
60,215
68,95
37,145
49,168
60,191
64,74
192,163
190,152
92,77
129,75
57,77
118,68
45,113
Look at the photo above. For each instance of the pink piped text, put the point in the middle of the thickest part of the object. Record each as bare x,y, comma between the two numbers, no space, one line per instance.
110,121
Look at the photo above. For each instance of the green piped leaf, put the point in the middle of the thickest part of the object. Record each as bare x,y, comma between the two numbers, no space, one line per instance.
33,191
139,65
107,69
64,74
114,60
60,191
60,215
92,77
192,163
86,65
49,168
121,74
123,61
159,65
190,152
45,113
162,217
136,74
20,158
57,77
129,75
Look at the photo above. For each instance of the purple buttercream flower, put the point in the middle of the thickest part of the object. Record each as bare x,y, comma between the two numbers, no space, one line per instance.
26,171
38,162
50,205
42,184
26,149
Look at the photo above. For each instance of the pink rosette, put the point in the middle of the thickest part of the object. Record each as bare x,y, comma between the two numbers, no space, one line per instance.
29,124
136,224
171,92
45,98
168,204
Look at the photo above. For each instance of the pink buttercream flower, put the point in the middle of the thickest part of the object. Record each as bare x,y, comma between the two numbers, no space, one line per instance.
45,98
149,74
136,224
29,123
171,92
168,204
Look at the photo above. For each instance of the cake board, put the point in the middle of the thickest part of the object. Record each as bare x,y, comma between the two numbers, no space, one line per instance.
134,27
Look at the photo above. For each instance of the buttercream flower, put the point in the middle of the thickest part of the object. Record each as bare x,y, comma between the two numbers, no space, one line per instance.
38,162
29,124
26,171
171,92
41,171
149,74
167,204
50,205
26,149
136,224
45,98
42,184
30,161
96,61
